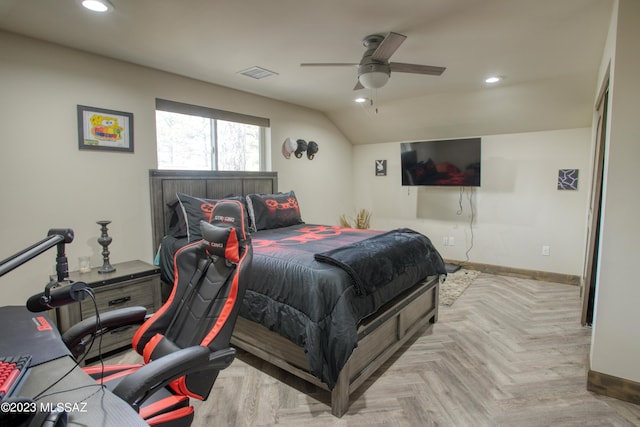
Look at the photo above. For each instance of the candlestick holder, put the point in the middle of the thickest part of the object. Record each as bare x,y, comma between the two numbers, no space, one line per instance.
104,241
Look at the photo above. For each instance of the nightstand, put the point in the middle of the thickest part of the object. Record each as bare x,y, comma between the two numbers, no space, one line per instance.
134,283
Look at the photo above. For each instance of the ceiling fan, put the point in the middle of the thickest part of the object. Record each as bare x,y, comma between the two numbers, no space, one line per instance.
375,69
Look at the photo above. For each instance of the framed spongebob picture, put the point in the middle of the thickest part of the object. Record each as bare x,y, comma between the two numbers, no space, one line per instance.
101,129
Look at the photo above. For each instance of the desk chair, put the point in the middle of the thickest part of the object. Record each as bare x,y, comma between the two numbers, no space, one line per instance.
186,342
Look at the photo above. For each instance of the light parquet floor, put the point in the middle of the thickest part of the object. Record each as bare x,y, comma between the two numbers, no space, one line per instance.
509,352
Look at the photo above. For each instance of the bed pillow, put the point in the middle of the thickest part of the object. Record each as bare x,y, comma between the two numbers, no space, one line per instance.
177,221
195,209
269,211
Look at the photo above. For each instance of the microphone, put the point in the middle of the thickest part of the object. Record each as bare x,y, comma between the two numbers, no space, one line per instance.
57,297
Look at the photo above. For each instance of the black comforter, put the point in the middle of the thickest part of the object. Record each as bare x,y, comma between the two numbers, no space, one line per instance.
379,260
314,284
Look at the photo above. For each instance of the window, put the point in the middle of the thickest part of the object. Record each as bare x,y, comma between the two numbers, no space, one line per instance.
191,137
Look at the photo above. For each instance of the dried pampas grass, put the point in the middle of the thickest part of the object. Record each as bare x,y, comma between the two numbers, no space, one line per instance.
360,221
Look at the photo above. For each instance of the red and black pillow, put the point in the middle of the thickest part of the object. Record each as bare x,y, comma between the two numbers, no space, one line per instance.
194,210
269,211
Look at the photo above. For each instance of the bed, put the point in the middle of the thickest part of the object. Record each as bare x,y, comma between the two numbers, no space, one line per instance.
314,306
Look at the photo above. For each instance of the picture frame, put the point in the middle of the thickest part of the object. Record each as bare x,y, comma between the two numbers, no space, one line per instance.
381,168
103,129
568,179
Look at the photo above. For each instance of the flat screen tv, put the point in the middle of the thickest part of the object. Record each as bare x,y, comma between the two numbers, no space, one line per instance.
451,162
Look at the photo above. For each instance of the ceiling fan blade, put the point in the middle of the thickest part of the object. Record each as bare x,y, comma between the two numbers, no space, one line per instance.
328,64
416,69
388,46
358,86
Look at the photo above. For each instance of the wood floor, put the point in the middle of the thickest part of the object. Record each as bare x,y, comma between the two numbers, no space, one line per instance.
509,352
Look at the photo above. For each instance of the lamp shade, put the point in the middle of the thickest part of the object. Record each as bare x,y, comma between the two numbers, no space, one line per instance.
374,79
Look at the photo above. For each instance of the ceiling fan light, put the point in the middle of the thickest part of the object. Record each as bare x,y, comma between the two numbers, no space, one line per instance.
374,79
97,5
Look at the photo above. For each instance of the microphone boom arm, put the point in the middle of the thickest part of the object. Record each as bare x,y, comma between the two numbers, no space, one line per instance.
55,237
51,297
25,255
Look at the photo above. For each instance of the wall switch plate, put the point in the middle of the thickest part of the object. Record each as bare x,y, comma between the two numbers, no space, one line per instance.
546,250
452,241
445,241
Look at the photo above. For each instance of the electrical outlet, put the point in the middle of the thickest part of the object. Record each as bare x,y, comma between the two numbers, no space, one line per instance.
452,241
546,250
445,241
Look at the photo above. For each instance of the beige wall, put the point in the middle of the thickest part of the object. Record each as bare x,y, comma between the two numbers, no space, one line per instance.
615,347
518,208
48,183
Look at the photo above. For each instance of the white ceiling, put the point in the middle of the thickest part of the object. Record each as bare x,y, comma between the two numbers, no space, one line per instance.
549,52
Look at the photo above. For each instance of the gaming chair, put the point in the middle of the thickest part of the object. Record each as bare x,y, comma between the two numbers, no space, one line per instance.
186,342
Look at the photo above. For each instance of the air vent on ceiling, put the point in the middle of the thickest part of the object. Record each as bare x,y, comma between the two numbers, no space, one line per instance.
257,73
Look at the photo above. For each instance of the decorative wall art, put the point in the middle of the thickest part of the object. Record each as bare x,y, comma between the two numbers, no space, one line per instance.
298,147
568,179
101,129
381,168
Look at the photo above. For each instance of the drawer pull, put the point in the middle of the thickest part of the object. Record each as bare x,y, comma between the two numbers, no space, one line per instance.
119,301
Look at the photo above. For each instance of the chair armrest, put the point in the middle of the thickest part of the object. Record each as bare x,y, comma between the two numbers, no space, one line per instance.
110,320
138,386
221,359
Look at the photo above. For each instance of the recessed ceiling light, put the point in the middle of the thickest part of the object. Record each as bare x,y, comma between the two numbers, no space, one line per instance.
492,79
361,100
97,5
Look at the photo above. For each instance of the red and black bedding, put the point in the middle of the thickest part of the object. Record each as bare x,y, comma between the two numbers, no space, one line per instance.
314,284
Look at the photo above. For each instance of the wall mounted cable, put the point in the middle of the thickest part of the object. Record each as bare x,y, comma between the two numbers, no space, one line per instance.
461,211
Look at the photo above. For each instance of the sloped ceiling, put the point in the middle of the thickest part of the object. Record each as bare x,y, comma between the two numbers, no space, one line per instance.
548,52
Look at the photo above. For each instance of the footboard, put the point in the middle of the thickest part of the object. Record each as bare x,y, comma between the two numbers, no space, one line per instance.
379,337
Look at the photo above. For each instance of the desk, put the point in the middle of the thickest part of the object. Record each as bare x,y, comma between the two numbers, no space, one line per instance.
91,405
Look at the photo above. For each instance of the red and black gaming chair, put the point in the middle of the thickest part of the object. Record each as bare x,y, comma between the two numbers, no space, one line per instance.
186,342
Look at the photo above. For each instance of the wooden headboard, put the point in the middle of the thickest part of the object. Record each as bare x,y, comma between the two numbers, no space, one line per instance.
164,184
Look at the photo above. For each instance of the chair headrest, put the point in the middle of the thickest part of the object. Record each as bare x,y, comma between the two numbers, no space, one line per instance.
230,213
226,233
221,241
